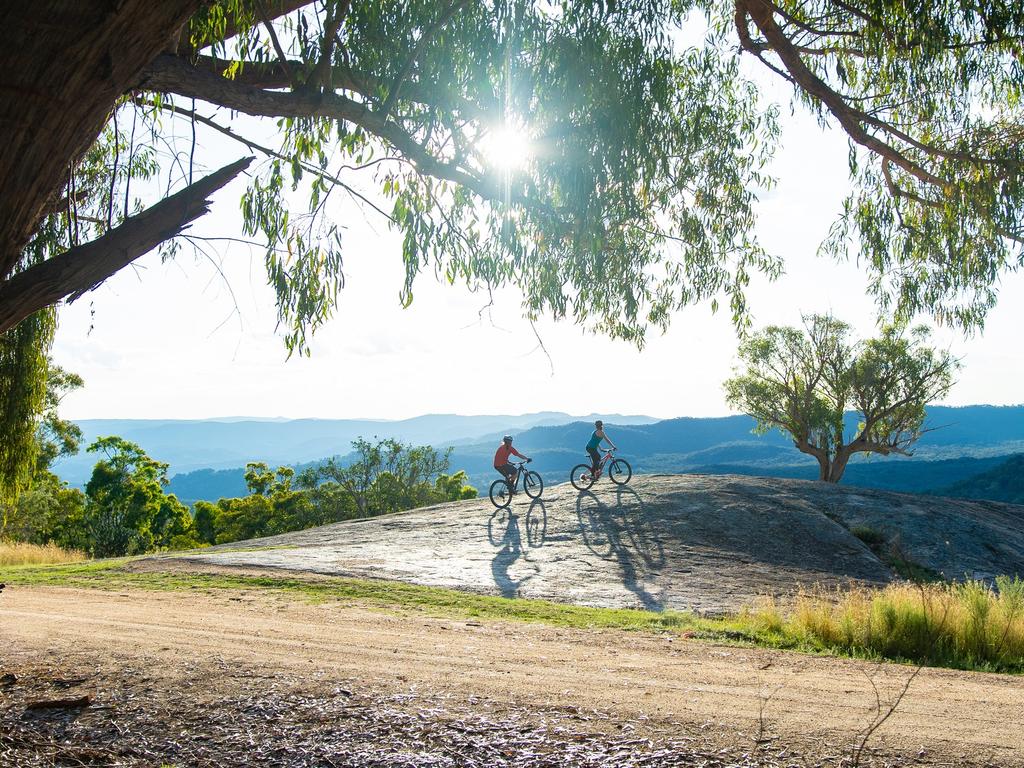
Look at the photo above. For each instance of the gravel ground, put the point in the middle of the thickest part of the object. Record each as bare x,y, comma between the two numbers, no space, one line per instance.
254,719
248,677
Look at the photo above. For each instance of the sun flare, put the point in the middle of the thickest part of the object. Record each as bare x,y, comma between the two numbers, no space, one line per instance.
506,148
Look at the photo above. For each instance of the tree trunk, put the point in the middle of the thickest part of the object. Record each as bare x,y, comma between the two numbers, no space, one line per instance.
839,464
64,65
824,461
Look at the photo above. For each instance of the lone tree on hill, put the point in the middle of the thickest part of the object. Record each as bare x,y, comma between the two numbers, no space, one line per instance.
805,382
636,199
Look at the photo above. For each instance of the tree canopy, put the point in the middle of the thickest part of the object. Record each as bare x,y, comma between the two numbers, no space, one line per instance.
383,476
127,510
929,95
646,157
805,383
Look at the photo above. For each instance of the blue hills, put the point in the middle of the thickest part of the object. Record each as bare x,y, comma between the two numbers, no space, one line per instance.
228,443
964,442
207,456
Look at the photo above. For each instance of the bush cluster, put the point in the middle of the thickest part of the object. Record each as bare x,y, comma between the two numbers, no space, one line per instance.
125,509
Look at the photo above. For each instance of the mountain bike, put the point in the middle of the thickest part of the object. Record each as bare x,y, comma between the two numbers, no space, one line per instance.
583,475
502,490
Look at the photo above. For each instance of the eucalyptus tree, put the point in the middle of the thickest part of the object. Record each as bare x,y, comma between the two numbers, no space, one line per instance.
388,476
50,509
806,382
638,194
127,510
930,96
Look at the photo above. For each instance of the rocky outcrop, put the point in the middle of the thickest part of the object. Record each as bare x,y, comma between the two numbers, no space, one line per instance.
704,543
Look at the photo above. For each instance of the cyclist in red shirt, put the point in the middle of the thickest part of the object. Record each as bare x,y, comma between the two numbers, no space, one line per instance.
501,462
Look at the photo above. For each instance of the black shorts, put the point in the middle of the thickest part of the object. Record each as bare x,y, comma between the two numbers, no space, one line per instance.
507,470
595,457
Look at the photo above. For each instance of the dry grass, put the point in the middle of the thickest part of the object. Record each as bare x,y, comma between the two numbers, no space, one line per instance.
970,625
20,553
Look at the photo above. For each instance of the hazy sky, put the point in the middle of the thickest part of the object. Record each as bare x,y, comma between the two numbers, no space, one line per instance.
165,341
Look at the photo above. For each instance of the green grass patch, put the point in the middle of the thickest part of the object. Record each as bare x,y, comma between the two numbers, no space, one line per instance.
226,548
435,601
965,626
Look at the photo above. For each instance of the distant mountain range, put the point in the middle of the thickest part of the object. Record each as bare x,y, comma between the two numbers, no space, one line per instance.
207,457
966,441
228,443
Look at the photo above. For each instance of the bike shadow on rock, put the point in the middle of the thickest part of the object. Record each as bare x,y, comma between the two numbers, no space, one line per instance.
536,523
504,532
623,532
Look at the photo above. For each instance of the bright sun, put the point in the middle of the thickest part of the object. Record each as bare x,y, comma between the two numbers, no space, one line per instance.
506,148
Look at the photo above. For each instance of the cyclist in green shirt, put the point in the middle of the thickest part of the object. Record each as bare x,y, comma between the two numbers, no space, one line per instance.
594,442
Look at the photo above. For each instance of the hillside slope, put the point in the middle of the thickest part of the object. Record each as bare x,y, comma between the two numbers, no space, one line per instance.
707,543
1004,482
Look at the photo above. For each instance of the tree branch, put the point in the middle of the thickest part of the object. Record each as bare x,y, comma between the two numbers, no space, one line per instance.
256,147
82,268
761,13
321,74
277,44
274,9
270,74
170,74
427,35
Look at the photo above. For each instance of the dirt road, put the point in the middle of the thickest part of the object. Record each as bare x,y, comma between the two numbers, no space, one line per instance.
669,684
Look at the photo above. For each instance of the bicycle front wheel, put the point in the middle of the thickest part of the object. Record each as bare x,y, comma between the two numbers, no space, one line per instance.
620,472
581,477
501,493
533,484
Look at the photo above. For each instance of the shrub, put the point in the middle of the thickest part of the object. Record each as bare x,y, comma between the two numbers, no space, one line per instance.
869,536
765,616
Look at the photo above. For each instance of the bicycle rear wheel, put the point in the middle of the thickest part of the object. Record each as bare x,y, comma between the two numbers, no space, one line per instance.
581,477
533,484
501,493
620,472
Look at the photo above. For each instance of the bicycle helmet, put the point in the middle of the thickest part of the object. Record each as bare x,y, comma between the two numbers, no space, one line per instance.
507,439
598,423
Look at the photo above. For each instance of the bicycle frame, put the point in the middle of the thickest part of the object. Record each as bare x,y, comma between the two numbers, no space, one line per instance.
604,460
583,476
520,470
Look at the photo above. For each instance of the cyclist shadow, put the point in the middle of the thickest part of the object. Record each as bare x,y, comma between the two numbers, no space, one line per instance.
504,532
624,533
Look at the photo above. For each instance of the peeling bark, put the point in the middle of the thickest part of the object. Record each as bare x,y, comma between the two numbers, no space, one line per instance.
64,65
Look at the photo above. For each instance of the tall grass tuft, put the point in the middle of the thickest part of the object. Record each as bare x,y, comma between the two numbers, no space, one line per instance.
20,553
969,625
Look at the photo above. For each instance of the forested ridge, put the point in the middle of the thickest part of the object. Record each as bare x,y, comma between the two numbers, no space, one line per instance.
126,509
